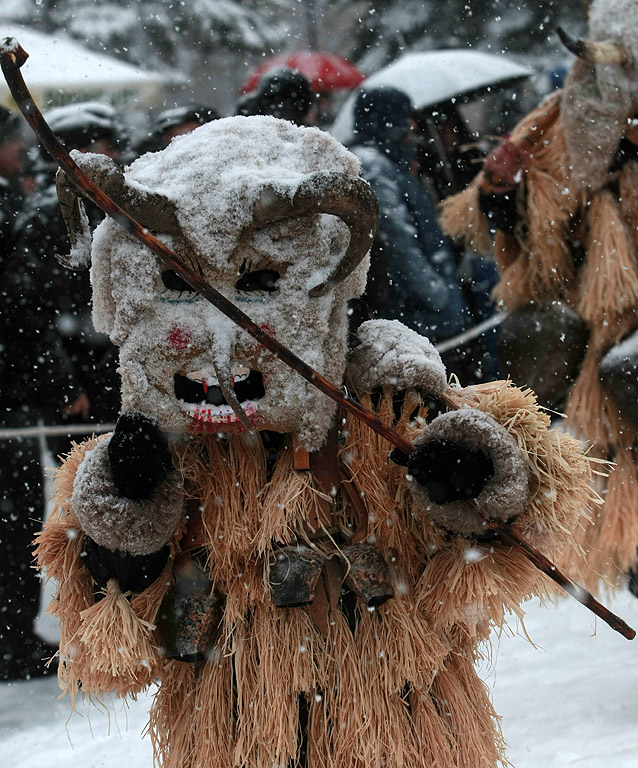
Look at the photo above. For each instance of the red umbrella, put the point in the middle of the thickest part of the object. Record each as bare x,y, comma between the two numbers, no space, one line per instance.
325,71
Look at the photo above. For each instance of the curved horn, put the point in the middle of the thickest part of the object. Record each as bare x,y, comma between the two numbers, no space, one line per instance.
150,209
77,225
340,194
595,52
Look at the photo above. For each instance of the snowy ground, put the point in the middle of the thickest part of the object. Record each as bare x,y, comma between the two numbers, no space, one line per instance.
569,702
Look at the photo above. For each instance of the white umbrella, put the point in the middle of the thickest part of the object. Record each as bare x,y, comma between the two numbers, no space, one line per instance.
58,66
434,77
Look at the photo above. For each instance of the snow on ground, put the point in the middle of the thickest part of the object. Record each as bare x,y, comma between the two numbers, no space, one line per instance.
571,701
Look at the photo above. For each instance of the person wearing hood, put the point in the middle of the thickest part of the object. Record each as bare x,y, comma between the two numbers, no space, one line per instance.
282,92
413,276
41,235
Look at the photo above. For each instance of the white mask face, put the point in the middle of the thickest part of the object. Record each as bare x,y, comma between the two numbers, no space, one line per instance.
180,356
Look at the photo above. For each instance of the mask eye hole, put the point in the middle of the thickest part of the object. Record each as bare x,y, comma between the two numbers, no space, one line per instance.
174,282
258,280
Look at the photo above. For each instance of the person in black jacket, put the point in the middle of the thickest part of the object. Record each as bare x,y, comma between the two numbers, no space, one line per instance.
53,367
28,374
66,295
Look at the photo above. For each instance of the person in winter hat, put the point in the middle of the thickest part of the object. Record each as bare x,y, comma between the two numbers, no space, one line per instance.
296,596
180,120
282,92
175,122
413,276
561,197
383,117
91,126
83,382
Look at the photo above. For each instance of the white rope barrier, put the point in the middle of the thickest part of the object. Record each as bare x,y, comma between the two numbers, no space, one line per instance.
472,333
56,430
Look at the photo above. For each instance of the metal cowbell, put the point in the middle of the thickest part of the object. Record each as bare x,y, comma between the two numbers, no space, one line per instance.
543,347
618,372
293,575
190,615
368,574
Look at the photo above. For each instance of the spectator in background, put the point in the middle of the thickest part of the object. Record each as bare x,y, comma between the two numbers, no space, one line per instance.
66,296
413,275
448,156
12,156
53,365
283,93
22,370
175,122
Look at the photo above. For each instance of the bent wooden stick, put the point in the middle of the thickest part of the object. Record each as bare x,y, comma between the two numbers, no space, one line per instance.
12,57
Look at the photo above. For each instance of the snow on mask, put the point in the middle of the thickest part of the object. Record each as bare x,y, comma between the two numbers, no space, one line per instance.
275,218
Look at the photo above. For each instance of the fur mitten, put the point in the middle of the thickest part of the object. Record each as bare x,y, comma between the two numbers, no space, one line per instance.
465,460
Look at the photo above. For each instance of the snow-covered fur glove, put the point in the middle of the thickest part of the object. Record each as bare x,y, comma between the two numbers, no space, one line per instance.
139,456
389,354
465,460
115,521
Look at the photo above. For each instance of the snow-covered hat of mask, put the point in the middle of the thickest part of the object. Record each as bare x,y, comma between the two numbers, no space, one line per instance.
601,88
277,219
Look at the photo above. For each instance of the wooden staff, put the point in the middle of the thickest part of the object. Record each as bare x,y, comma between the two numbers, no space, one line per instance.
12,57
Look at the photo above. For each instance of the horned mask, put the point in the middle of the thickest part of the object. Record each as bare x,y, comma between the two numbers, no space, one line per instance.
273,216
601,89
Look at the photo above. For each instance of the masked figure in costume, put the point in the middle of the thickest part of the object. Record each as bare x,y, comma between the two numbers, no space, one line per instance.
562,195
296,596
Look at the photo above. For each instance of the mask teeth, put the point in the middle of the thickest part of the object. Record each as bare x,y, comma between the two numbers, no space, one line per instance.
205,378
225,384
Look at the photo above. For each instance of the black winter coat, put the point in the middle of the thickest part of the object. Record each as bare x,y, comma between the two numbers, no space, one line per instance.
52,352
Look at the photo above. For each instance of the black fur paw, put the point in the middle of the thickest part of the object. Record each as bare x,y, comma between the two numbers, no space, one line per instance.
139,456
450,471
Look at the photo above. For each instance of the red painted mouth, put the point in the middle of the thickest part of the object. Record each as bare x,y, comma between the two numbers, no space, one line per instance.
213,419
212,413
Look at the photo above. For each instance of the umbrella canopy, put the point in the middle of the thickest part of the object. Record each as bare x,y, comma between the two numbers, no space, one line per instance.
434,77
57,64
325,71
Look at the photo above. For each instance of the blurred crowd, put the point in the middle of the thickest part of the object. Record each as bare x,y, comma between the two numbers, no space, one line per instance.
55,369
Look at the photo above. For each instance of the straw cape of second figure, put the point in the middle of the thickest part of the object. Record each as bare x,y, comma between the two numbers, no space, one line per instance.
561,198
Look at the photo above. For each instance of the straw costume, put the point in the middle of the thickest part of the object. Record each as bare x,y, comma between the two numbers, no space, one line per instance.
295,596
562,195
